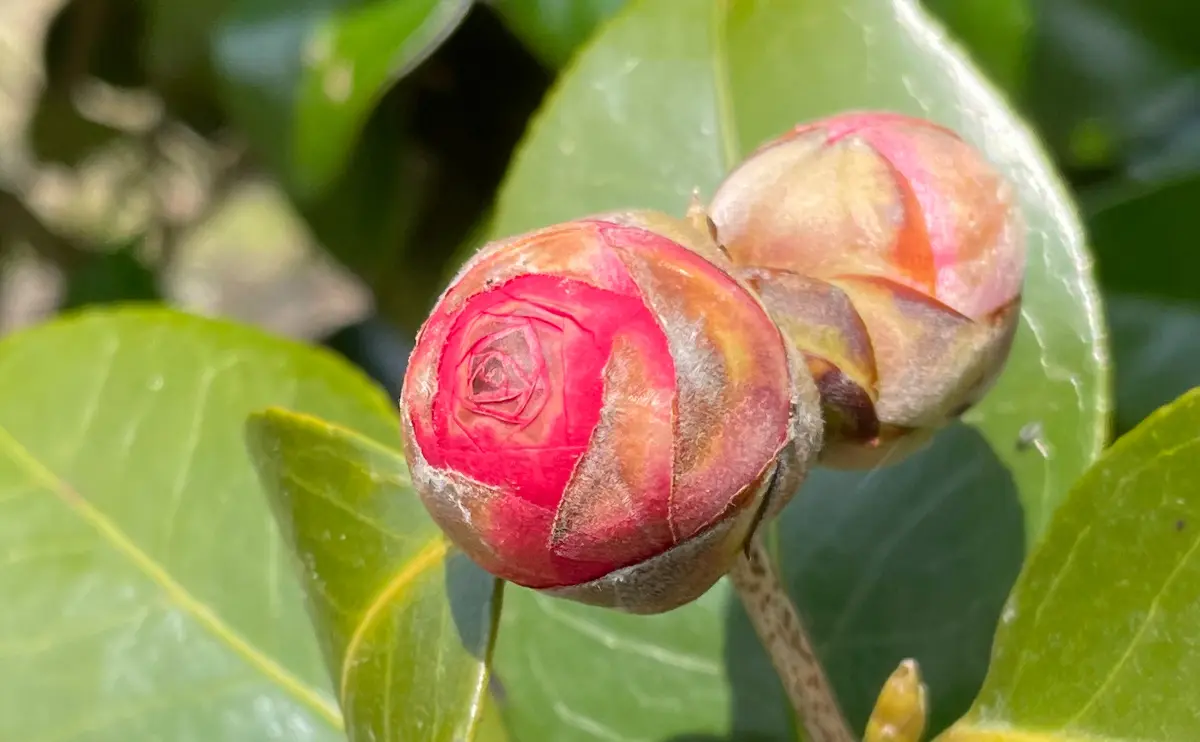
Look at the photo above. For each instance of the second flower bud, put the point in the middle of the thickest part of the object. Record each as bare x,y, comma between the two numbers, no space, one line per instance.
892,254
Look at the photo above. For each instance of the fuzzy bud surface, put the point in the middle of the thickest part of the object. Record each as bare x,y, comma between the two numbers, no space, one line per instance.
600,410
892,254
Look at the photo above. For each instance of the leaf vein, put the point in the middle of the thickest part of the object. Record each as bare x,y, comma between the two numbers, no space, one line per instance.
426,558
1137,637
177,593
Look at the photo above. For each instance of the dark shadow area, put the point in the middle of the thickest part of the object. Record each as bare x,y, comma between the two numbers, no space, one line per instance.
1156,354
376,347
474,597
914,560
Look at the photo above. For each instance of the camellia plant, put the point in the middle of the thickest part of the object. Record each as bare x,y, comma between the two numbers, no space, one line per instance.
604,411
771,403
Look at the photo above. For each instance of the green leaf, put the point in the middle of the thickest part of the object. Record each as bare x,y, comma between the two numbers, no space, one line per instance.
571,671
406,624
883,567
302,78
1097,640
554,29
667,98
996,32
912,562
147,594
1145,239
491,724
1156,346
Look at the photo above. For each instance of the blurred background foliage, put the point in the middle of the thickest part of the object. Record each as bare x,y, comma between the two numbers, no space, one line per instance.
320,167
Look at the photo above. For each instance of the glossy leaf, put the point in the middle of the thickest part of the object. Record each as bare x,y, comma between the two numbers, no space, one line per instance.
570,671
554,29
666,99
1097,640
915,561
302,79
406,624
146,591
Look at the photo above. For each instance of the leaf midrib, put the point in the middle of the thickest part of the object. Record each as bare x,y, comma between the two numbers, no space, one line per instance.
176,592
429,556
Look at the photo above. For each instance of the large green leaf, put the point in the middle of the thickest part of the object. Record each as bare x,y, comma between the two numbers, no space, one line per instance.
912,562
301,78
572,671
869,569
1097,640
665,100
406,624
146,591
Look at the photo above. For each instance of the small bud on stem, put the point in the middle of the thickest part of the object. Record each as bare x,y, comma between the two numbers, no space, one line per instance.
892,254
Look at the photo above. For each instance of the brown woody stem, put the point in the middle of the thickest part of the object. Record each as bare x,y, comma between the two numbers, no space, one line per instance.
782,632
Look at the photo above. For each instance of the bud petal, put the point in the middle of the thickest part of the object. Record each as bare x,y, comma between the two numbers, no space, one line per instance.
600,410
892,254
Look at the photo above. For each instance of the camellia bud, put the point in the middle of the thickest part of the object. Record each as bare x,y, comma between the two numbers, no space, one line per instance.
601,411
892,254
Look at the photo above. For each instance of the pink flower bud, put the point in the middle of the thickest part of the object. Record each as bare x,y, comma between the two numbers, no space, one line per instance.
892,254
601,411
